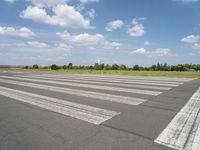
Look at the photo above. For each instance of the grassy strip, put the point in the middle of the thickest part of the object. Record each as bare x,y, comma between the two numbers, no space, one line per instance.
113,72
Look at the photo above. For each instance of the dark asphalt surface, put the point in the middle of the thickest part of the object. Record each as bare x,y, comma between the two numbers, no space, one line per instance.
27,127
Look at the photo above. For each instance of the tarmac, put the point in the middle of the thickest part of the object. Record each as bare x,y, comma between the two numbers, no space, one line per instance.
52,111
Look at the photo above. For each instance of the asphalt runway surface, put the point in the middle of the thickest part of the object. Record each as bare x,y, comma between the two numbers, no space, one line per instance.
49,111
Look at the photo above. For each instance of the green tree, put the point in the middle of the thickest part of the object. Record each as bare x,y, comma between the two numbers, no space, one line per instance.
136,67
122,67
153,67
107,67
54,67
64,67
70,66
91,67
35,66
26,67
96,66
158,66
115,67
99,66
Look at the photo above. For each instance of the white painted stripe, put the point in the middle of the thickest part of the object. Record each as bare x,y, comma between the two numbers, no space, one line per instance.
101,87
117,79
104,83
89,94
159,78
156,78
79,111
16,72
183,132
193,142
165,78
109,80
138,77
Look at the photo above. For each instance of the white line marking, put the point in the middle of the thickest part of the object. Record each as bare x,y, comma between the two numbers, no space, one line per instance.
101,87
148,78
117,79
16,72
133,77
95,82
110,80
194,140
183,132
89,94
172,79
79,111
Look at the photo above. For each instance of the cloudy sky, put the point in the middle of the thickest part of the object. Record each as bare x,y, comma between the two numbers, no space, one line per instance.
83,32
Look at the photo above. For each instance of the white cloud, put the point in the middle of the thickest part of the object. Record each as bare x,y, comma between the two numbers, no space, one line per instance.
136,20
37,44
196,46
10,1
111,45
63,15
21,32
86,39
64,46
91,13
160,52
147,43
194,40
81,6
191,39
136,30
113,25
187,1
42,45
139,51
83,38
36,14
87,1
46,3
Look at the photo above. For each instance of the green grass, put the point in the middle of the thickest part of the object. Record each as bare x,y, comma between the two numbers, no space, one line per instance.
118,72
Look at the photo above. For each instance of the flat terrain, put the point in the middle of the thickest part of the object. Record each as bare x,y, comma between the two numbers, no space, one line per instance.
56,111
176,74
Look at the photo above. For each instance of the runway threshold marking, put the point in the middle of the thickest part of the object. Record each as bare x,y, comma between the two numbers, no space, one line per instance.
79,111
183,132
122,79
89,94
160,83
129,77
171,79
137,91
97,82
156,79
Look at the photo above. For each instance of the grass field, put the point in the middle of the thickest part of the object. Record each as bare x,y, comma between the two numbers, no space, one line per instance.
112,72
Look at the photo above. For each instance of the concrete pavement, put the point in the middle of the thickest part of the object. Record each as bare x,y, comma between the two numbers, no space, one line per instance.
94,112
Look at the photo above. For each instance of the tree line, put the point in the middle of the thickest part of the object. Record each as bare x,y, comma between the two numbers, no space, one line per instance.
102,66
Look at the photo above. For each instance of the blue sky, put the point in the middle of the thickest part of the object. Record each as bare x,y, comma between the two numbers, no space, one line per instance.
84,32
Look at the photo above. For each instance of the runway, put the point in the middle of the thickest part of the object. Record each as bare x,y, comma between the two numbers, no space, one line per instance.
98,112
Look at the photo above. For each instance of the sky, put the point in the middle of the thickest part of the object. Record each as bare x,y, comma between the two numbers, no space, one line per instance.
85,32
